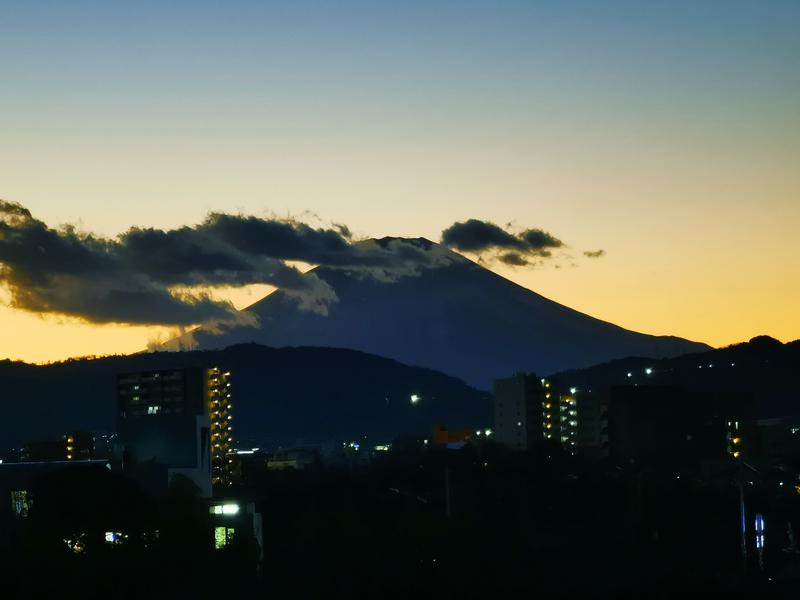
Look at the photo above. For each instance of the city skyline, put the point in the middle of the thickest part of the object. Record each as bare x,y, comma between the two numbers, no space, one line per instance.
666,137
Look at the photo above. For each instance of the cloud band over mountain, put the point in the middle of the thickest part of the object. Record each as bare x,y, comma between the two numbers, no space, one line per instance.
154,276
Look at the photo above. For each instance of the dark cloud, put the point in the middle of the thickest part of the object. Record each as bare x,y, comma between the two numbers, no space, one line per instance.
594,253
475,236
539,240
154,276
513,259
500,243
283,240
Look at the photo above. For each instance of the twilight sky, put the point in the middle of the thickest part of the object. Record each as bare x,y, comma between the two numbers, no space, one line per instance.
665,133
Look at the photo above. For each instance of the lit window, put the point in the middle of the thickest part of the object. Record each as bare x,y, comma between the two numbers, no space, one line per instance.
20,502
153,410
223,536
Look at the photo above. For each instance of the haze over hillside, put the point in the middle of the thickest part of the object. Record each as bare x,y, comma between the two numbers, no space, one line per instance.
460,318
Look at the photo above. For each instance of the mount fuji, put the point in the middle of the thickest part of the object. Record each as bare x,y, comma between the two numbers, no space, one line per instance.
459,318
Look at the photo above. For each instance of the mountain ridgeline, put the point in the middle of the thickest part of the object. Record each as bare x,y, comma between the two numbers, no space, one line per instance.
461,319
280,395
763,366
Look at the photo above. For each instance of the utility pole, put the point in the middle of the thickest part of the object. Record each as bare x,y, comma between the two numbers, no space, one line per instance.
742,518
447,506
743,509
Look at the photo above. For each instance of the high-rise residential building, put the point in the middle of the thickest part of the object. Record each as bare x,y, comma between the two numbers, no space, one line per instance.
568,421
524,411
551,424
179,421
583,417
530,410
219,408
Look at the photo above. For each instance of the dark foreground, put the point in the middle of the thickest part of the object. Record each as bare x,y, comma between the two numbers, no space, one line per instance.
476,522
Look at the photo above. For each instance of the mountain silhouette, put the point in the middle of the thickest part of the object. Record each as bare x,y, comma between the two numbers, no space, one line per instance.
461,319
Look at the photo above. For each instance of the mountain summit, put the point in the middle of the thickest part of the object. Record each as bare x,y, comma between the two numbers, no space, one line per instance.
455,316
